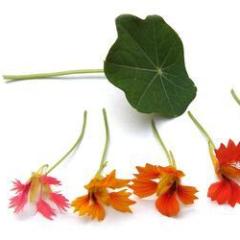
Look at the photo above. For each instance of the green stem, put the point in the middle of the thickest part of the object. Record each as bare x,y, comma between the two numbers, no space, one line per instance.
173,159
235,97
200,127
157,135
76,144
103,162
11,78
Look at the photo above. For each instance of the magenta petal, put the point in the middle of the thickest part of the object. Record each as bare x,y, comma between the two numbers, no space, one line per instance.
49,180
18,186
45,209
19,201
61,202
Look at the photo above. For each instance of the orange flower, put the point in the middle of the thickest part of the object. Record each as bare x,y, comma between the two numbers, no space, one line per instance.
165,182
226,162
103,191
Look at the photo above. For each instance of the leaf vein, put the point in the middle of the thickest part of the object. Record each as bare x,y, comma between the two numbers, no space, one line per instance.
132,67
168,99
139,46
146,89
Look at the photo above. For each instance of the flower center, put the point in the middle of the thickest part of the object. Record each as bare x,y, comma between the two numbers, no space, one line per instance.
166,183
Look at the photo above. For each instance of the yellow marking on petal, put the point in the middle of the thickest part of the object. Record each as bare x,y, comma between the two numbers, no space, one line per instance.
35,187
164,184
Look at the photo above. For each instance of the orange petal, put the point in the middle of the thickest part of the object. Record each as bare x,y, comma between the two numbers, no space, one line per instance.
230,171
144,188
186,194
89,206
167,204
80,204
110,181
96,211
120,201
148,172
172,171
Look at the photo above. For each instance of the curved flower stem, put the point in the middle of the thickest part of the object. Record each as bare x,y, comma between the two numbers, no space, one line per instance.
42,168
12,78
76,144
235,97
158,137
103,162
202,130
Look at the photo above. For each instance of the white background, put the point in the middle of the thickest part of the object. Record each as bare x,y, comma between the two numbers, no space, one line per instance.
39,120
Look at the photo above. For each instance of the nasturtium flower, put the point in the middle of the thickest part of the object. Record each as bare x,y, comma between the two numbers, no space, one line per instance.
226,162
103,190
37,190
165,183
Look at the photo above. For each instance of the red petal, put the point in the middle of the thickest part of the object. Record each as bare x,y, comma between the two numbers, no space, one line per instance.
235,196
45,209
220,191
168,205
61,202
229,153
49,180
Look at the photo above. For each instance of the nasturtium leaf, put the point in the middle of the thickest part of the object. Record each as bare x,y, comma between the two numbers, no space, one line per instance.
147,63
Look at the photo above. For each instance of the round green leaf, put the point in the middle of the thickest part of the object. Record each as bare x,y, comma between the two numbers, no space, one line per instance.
147,63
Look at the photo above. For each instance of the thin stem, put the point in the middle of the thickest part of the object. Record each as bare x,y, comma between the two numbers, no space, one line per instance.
11,78
213,157
235,97
103,162
172,159
157,135
200,127
76,144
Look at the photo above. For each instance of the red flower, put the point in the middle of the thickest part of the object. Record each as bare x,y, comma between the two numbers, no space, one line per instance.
166,184
38,190
226,161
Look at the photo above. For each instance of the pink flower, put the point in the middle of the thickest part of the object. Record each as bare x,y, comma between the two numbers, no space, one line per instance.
38,191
